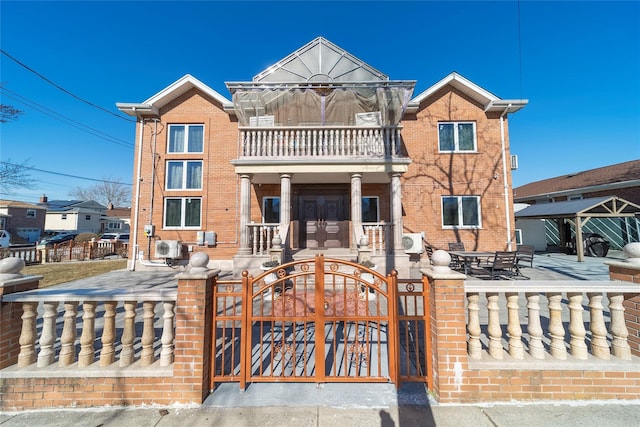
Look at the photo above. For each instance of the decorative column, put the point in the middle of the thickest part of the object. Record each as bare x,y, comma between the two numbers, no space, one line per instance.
245,214
285,207
356,207
396,211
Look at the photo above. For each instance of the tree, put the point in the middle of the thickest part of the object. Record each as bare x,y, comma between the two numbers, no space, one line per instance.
106,192
8,113
14,175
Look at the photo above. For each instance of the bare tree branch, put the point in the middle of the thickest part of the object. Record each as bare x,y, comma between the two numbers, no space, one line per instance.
109,191
14,175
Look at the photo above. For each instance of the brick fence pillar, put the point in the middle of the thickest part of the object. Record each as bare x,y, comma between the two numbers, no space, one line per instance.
448,328
629,271
194,317
12,281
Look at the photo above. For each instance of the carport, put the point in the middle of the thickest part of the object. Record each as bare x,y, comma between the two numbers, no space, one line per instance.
578,213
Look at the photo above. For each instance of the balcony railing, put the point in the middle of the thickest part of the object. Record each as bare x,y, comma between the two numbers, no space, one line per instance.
327,141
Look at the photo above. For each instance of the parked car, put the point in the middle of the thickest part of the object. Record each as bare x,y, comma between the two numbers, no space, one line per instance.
58,238
5,239
114,237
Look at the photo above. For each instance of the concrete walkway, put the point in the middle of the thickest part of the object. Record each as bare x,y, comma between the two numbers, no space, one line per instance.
567,414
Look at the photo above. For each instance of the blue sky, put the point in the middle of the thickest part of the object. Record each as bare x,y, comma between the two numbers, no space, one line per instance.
578,64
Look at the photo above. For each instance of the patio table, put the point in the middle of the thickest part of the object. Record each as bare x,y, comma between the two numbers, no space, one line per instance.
468,257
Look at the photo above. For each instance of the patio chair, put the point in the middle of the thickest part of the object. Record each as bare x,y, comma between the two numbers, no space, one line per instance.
502,265
524,255
428,249
456,262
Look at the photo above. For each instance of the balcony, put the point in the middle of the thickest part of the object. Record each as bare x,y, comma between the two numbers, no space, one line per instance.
329,142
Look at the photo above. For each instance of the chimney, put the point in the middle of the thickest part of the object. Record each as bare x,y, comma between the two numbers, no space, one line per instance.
43,198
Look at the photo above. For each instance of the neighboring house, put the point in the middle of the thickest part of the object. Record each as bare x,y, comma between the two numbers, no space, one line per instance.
117,220
346,150
77,216
25,221
621,180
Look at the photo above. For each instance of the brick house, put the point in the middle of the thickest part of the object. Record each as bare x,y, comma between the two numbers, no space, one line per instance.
348,151
23,220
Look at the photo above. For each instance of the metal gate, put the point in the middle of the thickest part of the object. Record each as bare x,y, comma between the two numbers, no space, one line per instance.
319,320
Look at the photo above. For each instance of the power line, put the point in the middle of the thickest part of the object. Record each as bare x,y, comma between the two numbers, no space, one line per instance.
63,89
49,112
64,174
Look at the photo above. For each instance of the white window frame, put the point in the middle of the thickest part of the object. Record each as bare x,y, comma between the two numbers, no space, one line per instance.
456,141
186,138
31,213
183,205
460,212
183,185
377,206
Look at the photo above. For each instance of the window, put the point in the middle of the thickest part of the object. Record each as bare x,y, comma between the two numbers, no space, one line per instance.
370,210
63,216
114,225
87,217
457,136
186,139
31,213
461,211
184,175
182,212
271,209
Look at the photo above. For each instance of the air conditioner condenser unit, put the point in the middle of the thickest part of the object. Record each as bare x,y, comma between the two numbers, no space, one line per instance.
168,249
412,243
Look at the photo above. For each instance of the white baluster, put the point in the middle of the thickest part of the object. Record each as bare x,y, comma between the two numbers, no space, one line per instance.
494,329
27,339
474,348
128,333
599,343
618,327
68,336
47,353
536,348
576,326
148,334
107,354
556,329
516,349
168,335
88,336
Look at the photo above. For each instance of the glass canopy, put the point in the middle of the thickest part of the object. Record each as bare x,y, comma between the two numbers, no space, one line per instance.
320,85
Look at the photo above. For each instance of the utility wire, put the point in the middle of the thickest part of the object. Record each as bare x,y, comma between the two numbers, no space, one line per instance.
64,174
49,112
63,89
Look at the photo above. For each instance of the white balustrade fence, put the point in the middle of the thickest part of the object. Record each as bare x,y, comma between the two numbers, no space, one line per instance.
548,318
114,327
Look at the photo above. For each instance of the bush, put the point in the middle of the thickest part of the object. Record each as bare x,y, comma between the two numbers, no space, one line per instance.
86,237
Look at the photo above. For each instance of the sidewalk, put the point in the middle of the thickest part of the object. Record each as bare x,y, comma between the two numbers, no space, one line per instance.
575,414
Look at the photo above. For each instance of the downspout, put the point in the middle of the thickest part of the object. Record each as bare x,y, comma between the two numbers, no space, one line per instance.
153,183
507,211
132,263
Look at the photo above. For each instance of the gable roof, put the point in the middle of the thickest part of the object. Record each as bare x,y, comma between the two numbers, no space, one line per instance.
152,106
489,101
18,204
594,207
621,175
320,61
71,205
